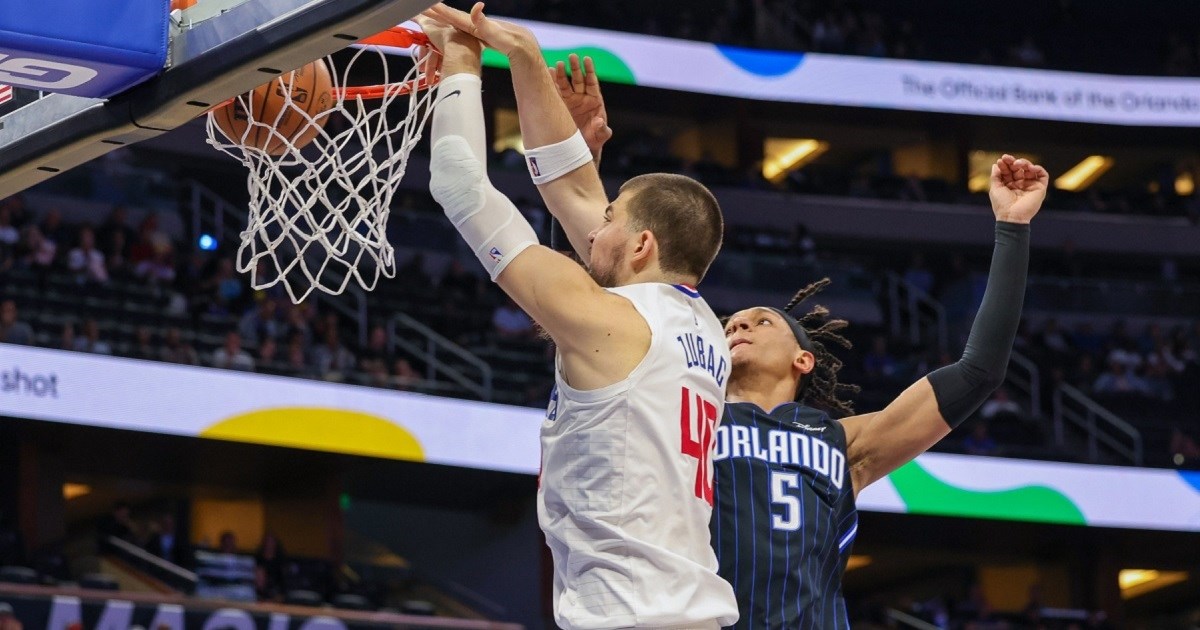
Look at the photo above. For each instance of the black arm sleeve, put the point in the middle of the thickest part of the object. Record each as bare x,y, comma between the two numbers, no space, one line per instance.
962,387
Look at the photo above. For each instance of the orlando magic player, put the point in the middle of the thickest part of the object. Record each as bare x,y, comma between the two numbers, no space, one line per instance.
625,494
787,473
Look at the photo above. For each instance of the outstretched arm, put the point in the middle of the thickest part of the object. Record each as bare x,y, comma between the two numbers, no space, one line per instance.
878,443
555,291
572,189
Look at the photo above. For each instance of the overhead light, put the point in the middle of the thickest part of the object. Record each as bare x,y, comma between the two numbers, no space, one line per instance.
1084,174
783,155
1137,582
857,562
75,490
1184,184
979,182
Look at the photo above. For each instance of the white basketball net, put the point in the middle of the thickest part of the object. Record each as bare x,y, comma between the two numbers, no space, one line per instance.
318,214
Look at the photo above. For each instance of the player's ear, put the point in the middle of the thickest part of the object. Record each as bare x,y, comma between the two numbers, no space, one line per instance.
644,247
804,361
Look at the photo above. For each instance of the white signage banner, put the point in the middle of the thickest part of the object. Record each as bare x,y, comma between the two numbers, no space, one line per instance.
156,397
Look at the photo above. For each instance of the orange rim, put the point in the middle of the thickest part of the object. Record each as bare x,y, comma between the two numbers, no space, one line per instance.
395,37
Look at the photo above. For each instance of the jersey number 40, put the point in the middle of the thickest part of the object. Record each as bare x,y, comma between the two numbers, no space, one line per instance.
698,421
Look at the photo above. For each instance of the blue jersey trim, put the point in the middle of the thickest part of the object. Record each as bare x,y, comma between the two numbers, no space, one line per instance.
686,290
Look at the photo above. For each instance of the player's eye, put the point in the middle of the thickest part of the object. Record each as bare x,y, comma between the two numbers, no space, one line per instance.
764,320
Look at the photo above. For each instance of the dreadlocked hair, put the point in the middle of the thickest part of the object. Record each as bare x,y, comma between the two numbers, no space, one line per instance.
821,387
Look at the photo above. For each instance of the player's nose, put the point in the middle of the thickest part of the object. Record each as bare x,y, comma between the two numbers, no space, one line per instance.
739,322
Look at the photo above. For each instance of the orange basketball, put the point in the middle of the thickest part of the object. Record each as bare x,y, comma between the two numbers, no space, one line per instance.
308,88
179,5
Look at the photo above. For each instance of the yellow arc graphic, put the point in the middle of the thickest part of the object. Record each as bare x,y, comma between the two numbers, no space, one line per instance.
315,428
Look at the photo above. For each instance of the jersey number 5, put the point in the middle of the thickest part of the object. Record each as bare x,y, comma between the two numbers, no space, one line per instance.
781,482
698,421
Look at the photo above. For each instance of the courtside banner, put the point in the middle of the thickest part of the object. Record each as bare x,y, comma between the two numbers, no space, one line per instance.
42,608
138,395
824,79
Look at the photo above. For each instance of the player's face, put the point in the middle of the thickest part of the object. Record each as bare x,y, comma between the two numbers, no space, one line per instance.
759,339
609,245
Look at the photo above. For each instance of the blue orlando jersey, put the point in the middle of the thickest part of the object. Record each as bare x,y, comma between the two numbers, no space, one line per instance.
784,516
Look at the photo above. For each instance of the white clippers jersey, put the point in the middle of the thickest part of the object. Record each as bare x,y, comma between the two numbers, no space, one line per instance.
625,493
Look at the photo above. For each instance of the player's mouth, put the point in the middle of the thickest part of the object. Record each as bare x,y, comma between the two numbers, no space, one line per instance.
737,342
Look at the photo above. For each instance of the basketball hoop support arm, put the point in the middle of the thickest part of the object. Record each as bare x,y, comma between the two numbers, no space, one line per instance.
212,61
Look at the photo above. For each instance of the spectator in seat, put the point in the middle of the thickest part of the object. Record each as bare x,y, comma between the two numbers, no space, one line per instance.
297,323
231,356
268,357
228,542
176,351
150,239
1053,339
999,404
116,257
9,235
85,261
224,287
54,228
1120,377
143,345
879,365
510,322
270,563
331,359
458,281
979,442
262,322
66,339
36,252
118,524
803,245
115,236
91,341
167,544
919,275
407,376
159,269
373,361
296,359
12,329
1184,449
413,272
8,620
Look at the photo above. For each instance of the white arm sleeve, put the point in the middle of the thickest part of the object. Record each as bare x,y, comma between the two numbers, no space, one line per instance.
487,220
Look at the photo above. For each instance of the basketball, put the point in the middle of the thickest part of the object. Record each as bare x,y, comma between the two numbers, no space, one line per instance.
179,5
277,105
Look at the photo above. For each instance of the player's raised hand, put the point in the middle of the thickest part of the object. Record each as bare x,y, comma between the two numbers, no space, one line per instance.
504,37
456,51
580,91
1018,188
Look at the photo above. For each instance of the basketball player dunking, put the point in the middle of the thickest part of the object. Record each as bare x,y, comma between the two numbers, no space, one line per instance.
625,494
787,474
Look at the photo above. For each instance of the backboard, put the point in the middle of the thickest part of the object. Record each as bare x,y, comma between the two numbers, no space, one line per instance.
218,49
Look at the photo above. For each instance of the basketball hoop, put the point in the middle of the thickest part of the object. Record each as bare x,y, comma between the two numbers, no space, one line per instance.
321,191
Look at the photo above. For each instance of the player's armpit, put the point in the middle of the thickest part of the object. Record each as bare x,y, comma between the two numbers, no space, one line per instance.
601,335
878,443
